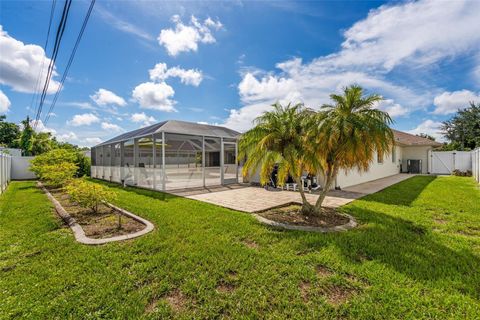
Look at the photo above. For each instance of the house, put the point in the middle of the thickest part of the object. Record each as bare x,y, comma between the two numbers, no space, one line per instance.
169,155
176,154
409,155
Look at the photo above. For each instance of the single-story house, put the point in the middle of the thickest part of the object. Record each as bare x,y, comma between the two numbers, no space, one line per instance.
409,155
177,154
169,155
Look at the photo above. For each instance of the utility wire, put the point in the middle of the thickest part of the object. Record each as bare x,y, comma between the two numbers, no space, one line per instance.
40,73
56,47
70,60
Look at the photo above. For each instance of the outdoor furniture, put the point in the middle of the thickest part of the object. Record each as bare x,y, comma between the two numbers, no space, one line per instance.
292,186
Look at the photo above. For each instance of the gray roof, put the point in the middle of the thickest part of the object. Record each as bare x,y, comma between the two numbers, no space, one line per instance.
176,126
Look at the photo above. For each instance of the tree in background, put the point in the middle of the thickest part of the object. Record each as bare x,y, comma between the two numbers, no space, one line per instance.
463,130
42,142
426,136
9,133
26,138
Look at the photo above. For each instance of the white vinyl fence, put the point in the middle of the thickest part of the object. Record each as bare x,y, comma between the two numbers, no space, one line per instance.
5,170
476,164
21,168
445,162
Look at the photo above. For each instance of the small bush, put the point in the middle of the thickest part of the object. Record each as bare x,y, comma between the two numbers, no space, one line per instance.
58,175
42,164
460,173
84,164
89,195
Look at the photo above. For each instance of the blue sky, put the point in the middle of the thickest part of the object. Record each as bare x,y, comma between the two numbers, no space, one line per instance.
226,62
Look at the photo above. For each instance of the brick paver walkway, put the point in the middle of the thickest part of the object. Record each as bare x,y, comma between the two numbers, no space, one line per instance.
254,199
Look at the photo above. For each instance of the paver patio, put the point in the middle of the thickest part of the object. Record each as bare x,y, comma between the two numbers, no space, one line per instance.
254,199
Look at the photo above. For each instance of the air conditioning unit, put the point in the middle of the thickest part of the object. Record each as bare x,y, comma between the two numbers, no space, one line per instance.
414,166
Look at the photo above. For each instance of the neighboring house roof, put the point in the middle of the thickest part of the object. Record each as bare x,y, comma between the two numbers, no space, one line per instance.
407,139
176,126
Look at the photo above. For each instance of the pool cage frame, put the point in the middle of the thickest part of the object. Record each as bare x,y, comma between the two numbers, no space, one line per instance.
186,156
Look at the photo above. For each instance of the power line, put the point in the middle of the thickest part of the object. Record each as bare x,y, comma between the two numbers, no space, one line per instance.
56,47
70,60
40,73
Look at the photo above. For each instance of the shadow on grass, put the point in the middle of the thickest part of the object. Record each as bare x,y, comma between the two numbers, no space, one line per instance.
401,245
404,193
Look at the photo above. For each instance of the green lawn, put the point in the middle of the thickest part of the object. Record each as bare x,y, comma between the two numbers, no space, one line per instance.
415,255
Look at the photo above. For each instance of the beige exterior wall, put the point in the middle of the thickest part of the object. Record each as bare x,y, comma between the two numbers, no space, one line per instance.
416,153
388,167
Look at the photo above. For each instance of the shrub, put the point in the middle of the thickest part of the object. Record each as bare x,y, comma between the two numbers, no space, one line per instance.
59,174
89,195
460,173
52,158
47,166
83,162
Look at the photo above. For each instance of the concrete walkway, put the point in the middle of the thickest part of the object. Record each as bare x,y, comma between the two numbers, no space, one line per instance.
254,199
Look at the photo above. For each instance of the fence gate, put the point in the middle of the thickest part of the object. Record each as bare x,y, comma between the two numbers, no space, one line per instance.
445,162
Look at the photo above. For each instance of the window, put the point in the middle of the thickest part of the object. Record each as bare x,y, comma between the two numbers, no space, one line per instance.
379,158
394,154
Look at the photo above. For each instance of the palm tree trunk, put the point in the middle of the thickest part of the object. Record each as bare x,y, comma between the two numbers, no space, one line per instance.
307,208
329,178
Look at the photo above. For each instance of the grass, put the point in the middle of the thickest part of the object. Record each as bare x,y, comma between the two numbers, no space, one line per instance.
415,255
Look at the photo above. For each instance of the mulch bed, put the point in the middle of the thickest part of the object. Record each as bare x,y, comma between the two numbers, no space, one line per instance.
104,224
290,214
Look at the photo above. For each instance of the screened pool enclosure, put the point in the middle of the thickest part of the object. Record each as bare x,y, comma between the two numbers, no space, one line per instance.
169,155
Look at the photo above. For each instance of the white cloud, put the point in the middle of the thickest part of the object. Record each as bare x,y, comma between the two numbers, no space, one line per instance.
429,127
392,108
67,137
190,77
4,102
40,127
185,37
20,65
267,88
409,35
105,97
304,83
156,96
81,105
111,127
92,141
143,118
418,33
122,25
83,119
450,102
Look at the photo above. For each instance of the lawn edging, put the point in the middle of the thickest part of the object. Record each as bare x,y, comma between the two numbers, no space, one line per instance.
344,227
80,234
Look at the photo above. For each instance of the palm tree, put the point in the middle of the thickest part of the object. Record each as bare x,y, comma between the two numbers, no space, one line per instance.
349,134
280,138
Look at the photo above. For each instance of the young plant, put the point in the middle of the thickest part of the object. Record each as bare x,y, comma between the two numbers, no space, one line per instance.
89,195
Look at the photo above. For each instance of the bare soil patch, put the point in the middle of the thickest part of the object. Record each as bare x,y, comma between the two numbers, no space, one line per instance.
177,300
225,287
104,224
290,214
323,271
250,243
337,295
152,304
440,221
304,290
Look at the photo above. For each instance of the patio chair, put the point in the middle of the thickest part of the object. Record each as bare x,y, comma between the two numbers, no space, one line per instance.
290,184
